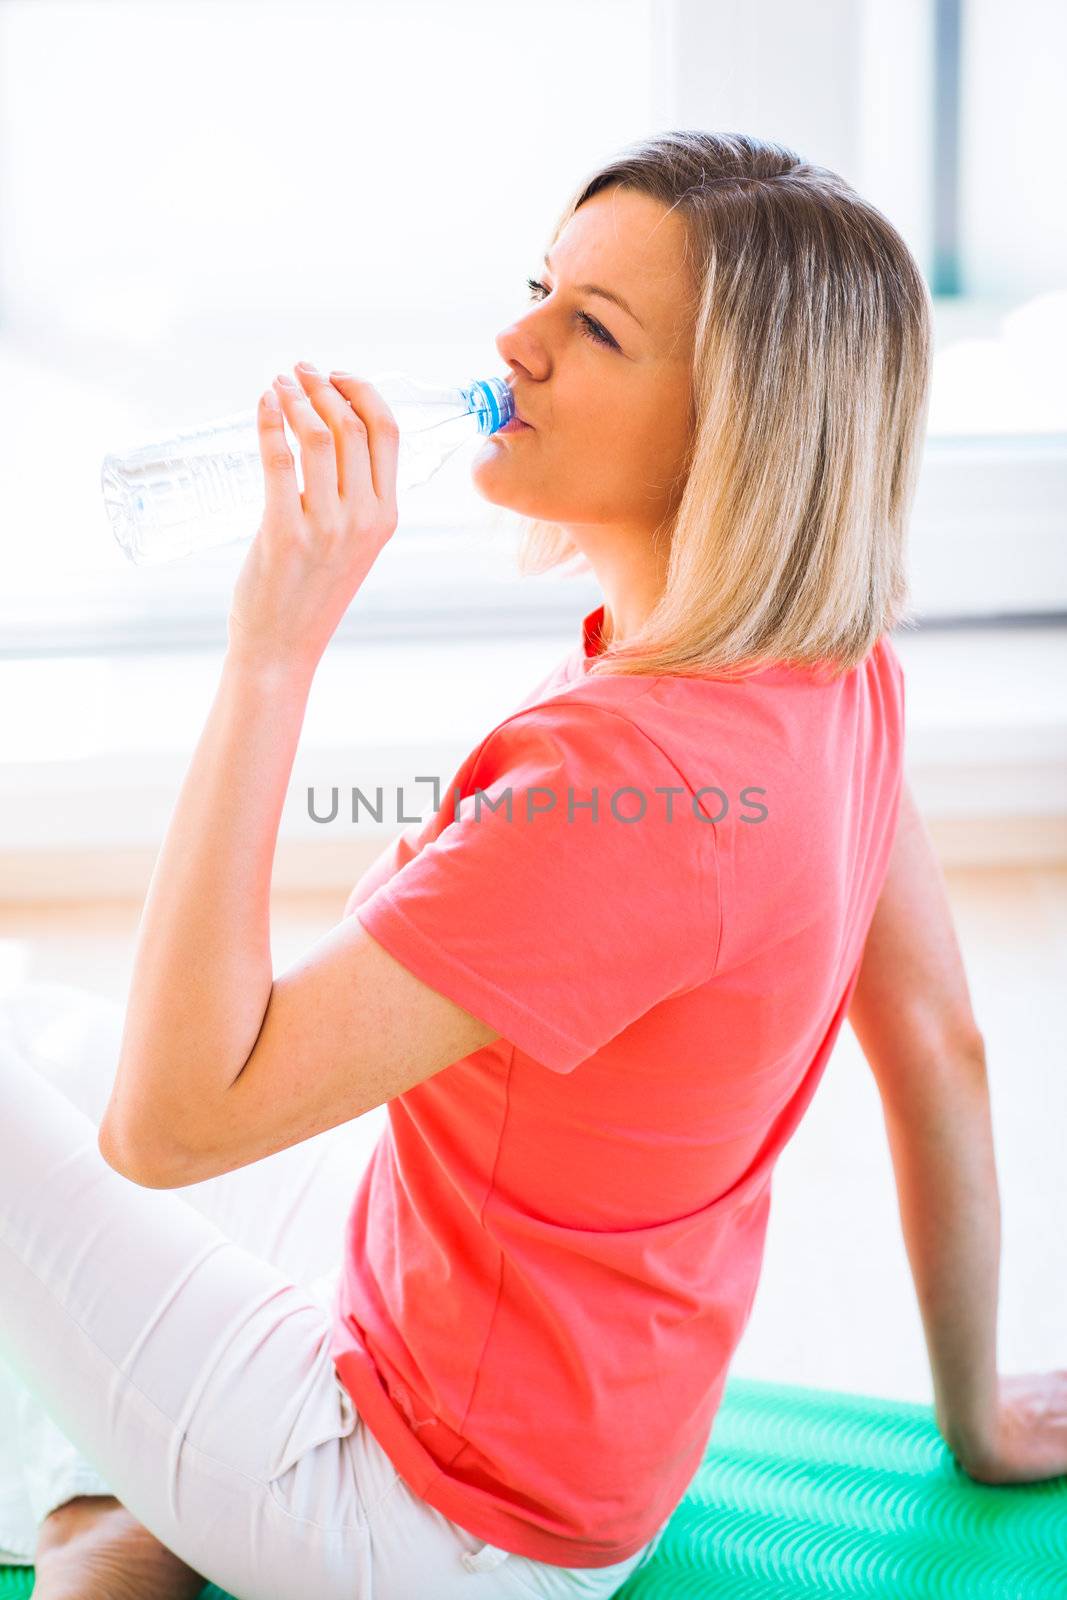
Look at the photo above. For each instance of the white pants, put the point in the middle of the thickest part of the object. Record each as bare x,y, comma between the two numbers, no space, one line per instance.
171,1348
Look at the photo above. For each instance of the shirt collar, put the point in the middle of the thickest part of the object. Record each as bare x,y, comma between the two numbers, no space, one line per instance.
592,643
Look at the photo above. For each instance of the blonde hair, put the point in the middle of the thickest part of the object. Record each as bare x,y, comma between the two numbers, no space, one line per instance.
810,387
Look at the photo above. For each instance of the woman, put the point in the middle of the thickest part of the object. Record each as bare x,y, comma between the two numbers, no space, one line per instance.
596,988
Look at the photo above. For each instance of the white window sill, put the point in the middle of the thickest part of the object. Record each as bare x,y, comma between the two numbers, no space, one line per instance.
96,748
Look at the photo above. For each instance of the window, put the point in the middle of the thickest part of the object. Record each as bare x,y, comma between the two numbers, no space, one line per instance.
989,513
948,115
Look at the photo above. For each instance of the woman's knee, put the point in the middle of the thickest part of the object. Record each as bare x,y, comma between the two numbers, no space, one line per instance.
71,1036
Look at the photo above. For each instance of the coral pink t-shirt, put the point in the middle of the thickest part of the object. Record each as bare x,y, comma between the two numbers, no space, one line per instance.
555,1247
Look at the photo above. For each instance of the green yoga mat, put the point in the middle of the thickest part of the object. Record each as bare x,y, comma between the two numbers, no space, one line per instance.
808,1492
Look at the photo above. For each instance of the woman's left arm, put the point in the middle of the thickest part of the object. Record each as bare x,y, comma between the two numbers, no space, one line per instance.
202,974
911,1012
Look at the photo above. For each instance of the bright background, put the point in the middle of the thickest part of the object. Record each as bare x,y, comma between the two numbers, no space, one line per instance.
194,194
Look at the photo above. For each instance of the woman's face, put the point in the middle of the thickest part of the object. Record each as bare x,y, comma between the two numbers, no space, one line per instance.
609,420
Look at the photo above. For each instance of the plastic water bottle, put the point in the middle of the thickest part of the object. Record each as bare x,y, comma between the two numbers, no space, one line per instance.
204,486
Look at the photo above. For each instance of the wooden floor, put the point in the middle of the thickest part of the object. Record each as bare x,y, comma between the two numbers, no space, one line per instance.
835,1306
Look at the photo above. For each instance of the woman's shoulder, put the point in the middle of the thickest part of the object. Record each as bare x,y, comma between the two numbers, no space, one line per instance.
600,728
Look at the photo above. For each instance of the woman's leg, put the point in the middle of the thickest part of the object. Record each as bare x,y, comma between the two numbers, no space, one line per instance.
70,1036
289,1208
184,1373
190,1372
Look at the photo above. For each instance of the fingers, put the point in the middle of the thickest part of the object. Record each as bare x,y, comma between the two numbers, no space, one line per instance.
317,451
350,446
279,469
383,441
349,430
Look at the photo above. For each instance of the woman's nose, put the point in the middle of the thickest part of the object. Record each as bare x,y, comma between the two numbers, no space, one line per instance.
522,353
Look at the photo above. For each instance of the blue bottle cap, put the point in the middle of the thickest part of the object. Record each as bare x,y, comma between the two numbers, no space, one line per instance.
493,401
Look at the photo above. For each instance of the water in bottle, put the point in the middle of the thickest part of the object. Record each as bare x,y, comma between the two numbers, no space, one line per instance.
204,486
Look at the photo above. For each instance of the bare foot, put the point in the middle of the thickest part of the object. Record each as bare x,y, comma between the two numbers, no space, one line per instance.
92,1548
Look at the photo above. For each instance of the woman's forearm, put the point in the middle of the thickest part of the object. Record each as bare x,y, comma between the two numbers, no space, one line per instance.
202,974
941,1140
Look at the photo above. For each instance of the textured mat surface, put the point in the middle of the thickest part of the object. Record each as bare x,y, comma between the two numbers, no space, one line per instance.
807,1492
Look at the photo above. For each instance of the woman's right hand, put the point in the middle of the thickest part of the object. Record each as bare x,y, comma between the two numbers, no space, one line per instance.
1029,1440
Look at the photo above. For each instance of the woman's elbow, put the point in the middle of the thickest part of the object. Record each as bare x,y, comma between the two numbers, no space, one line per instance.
132,1160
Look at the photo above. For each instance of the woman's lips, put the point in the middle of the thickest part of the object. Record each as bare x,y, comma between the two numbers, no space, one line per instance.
516,425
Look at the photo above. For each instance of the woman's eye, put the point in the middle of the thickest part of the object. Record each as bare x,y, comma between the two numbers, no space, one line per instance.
589,326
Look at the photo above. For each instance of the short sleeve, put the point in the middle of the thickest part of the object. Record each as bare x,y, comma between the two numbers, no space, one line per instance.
555,923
